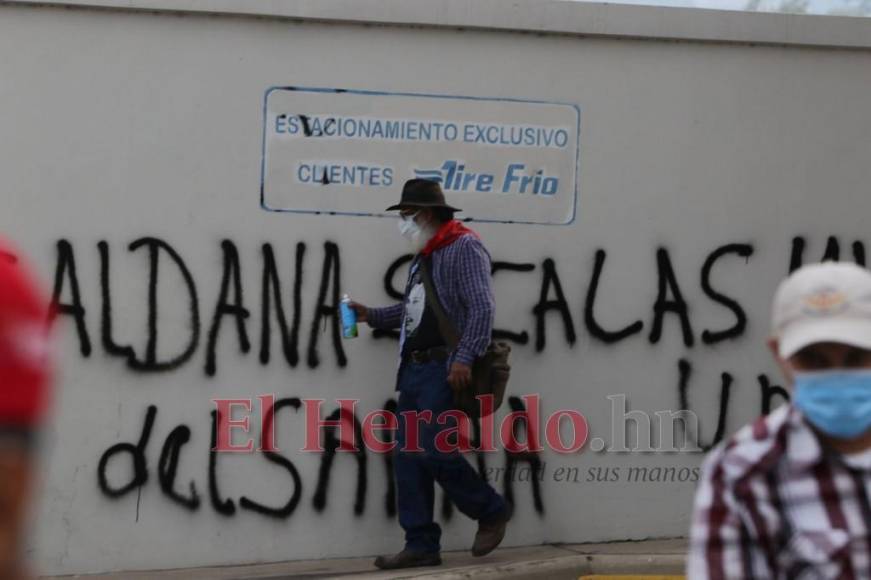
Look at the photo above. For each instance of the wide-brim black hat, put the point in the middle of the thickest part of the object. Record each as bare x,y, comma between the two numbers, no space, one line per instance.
422,193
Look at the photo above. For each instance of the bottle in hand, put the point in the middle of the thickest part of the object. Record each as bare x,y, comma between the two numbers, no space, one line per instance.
349,318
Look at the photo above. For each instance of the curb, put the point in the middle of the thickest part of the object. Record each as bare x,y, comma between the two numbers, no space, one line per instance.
567,567
559,561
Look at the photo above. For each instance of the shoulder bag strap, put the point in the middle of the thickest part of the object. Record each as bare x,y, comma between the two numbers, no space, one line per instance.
446,327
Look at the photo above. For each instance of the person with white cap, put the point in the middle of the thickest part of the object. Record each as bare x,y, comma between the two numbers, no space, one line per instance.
788,496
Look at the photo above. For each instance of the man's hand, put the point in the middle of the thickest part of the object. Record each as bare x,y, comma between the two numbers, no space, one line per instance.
460,376
362,311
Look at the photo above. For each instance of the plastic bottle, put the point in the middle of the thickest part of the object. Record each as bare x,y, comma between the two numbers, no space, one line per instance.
349,318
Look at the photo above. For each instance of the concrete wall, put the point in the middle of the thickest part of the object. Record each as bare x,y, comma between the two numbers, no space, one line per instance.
121,125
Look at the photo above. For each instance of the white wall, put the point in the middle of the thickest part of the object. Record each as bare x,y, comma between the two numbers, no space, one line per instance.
119,125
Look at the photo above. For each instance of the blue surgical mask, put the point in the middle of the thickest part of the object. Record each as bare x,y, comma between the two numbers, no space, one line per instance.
837,402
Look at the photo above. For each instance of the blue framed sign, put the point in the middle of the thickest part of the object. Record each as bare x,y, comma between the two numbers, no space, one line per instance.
348,152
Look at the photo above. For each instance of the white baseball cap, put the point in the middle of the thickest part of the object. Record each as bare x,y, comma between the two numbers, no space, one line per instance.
828,302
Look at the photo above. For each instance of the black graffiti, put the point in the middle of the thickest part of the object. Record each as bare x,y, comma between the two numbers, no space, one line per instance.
676,305
236,308
271,290
593,326
67,301
66,268
685,370
832,252
521,433
331,444
309,132
171,459
275,306
390,274
154,246
306,128
167,468
796,254
277,458
549,279
328,310
713,337
552,297
150,362
224,507
137,455
859,253
769,391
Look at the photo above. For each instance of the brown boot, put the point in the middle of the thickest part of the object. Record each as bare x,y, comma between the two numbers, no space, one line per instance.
490,535
407,559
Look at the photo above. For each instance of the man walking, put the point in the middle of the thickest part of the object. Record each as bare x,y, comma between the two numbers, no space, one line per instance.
788,496
459,267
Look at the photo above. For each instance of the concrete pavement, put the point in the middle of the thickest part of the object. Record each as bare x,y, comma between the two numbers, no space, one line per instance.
555,561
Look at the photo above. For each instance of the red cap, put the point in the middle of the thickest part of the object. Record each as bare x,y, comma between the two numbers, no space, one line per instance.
25,372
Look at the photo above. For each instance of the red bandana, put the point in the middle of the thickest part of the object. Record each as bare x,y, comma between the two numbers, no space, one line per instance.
446,235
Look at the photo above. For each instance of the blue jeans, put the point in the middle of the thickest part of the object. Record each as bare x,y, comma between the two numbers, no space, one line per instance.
424,387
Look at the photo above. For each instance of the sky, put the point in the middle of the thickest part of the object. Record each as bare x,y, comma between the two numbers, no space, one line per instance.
848,7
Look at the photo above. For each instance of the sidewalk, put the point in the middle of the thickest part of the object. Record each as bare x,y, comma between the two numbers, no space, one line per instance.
555,561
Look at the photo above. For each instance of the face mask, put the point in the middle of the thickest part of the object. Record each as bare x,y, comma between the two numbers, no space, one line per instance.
838,402
408,227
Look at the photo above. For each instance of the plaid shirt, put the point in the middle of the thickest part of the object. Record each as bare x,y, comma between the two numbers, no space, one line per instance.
461,276
774,503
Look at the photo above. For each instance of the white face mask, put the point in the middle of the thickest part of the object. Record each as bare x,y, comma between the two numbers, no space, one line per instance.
416,234
408,227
